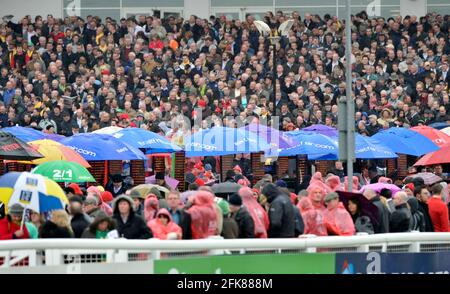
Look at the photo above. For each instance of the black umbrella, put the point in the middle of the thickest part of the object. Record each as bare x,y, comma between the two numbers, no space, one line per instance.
367,207
225,189
12,148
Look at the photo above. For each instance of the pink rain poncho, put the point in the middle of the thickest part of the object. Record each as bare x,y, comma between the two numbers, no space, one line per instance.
258,214
355,183
312,218
160,230
334,182
317,180
102,205
203,215
151,207
338,221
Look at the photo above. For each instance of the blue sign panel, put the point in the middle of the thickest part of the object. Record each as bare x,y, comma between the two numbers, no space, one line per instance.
393,263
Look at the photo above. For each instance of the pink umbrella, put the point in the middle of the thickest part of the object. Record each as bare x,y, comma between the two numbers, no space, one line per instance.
171,182
377,187
428,178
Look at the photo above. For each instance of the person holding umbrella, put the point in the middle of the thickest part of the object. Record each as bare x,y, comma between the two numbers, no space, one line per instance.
12,227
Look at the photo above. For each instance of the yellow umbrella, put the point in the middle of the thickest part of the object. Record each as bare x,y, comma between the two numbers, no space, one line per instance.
53,150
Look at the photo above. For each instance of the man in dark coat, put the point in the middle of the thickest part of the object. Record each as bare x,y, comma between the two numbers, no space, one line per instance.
116,186
281,213
383,212
400,219
423,195
80,221
242,217
129,225
179,216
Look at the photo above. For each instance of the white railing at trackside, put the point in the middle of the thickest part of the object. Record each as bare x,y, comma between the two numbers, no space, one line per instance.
46,252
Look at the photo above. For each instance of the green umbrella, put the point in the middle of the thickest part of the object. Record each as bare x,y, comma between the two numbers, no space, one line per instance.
64,171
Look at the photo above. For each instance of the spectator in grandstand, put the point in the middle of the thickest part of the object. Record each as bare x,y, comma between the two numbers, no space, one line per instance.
129,226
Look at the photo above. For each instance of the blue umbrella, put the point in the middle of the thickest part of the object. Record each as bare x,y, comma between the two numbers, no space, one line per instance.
322,129
405,141
439,125
276,139
143,139
30,134
312,144
102,147
223,141
319,149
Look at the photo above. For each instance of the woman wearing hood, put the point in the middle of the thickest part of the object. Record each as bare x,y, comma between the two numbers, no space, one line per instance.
258,214
101,204
163,227
337,219
203,215
129,225
100,227
151,207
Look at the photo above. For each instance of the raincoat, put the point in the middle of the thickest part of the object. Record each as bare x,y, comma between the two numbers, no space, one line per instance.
258,214
338,221
355,183
161,231
8,228
101,204
312,218
334,182
317,180
203,215
151,207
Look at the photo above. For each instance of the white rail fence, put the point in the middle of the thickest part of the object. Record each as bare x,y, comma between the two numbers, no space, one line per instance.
55,252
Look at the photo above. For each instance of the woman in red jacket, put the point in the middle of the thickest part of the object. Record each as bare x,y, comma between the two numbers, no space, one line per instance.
10,225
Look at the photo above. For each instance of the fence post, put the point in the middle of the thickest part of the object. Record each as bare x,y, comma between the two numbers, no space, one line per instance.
414,247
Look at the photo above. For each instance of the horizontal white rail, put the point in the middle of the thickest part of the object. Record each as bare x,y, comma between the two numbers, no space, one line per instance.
211,244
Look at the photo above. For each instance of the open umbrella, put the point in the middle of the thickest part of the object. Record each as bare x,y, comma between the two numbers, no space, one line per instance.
446,131
377,187
405,141
428,178
64,172
143,139
224,141
144,190
55,151
102,147
438,157
12,148
439,138
367,207
322,129
108,130
27,134
314,145
275,138
32,191
171,182
369,148
226,188
440,125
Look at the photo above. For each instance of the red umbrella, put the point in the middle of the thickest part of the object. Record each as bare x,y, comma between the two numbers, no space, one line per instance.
436,157
439,138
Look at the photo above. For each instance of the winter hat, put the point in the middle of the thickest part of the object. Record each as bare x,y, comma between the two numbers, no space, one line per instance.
76,189
331,196
410,186
76,198
121,198
281,184
223,205
235,199
106,197
16,209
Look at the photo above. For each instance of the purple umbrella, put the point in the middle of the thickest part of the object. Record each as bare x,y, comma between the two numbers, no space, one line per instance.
276,139
171,182
367,207
377,187
322,129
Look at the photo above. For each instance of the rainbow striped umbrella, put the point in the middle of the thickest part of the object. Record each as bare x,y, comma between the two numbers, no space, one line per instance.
32,191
